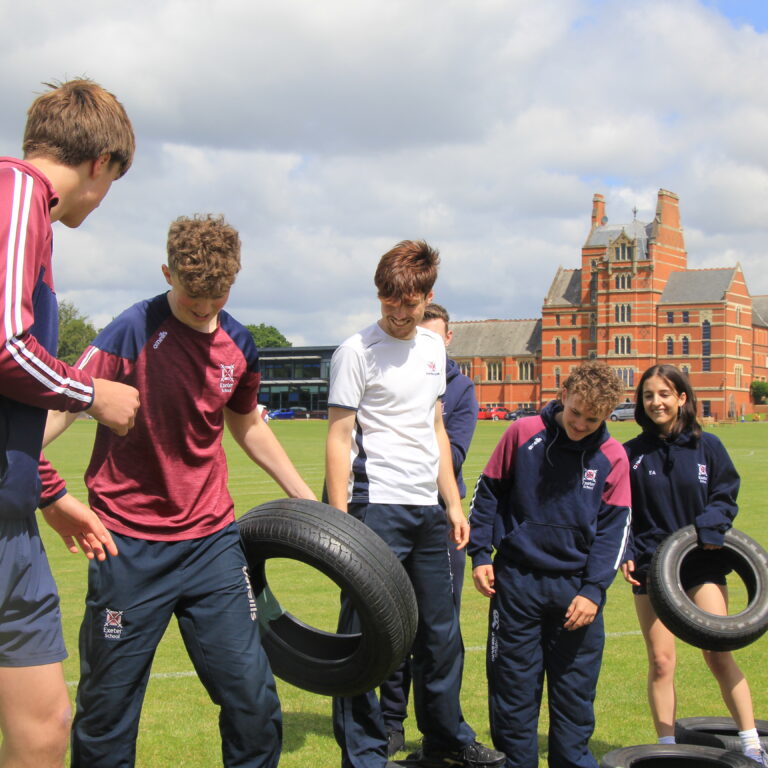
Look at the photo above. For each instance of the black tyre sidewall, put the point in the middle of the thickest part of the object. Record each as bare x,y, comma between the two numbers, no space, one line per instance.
693,625
657,754
719,732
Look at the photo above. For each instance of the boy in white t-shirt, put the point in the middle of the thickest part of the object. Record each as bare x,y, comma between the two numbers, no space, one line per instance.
387,456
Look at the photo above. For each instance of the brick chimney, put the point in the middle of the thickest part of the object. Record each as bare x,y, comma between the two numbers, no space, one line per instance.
598,210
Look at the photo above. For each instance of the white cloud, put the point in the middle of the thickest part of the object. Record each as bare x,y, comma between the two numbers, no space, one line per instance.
326,132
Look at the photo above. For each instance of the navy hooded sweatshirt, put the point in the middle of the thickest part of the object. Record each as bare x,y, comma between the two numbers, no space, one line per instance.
554,505
459,417
675,483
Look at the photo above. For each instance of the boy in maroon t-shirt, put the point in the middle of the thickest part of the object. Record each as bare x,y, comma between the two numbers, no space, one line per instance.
161,492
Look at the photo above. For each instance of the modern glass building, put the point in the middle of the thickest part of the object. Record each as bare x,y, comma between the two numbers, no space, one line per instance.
295,377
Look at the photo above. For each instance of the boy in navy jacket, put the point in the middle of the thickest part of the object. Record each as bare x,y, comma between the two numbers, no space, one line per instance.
554,502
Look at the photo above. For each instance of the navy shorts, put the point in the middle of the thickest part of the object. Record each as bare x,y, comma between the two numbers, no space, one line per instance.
702,566
30,619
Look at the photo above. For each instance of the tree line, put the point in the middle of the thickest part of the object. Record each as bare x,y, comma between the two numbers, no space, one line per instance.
76,332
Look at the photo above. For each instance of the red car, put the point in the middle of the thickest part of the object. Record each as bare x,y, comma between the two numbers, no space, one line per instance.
493,412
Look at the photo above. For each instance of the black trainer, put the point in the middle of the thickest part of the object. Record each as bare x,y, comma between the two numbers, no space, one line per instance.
395,742
474,755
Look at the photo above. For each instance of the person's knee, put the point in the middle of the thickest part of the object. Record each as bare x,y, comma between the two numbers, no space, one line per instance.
39,742
721,663
662,665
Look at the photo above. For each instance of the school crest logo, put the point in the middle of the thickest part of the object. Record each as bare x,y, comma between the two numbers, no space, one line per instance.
113,624
638,460
227,381
702,473
589,479
432,368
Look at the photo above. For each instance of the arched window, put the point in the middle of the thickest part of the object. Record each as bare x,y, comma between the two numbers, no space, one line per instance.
686,345
573,347
706,336
557,347
670,345
494,371
557,378
465,368
593,327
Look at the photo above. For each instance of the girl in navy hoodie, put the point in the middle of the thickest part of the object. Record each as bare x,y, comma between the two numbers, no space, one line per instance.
681,476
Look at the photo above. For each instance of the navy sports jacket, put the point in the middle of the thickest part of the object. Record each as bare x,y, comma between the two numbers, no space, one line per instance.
553,505
677,483
459,417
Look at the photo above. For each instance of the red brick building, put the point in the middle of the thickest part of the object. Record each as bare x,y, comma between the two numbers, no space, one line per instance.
633,303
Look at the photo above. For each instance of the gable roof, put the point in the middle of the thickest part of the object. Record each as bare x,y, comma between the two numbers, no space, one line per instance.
635,230
760,311
495,338
565,289
697,286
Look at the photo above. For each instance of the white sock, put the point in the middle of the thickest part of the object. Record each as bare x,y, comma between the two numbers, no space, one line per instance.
749,740
667,740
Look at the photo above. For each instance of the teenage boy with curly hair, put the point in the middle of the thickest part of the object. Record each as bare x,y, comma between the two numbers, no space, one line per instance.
554,503
162,492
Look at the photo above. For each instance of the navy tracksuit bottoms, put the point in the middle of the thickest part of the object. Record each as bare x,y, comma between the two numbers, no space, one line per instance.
526,640
131,599
417,535
394,692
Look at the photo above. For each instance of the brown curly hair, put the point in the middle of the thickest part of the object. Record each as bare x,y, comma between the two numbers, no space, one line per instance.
204,253
598,384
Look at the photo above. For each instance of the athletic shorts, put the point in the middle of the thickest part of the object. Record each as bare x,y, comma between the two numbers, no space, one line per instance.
30,619
702,566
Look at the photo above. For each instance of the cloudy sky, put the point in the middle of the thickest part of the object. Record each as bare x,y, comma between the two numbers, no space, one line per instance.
328,131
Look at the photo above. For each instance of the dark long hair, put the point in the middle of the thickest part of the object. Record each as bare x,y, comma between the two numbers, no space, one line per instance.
686,417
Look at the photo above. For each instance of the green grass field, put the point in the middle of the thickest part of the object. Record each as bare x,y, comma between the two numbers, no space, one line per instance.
179,723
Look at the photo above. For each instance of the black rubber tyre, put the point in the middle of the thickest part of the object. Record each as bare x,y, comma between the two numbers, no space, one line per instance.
700,628
366,570
674,756
719,732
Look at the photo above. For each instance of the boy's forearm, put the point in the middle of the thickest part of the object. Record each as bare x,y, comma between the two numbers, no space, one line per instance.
261,446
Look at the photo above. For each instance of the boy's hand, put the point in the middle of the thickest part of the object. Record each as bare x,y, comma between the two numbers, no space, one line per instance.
74,521
484,580
114,405
627,569
459,533
581,611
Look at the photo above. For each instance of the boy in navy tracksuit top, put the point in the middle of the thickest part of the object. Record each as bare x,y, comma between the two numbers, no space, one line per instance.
554,502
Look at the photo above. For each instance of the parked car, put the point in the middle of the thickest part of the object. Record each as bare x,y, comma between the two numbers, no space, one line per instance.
282,413
623,412
493,412
518,413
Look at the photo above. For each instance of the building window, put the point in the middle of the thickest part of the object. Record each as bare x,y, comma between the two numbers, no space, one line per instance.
573,319
737,371
706,344
670,317
706,330
557,319
494,371
525,370
706,408
623,252
593,327
685,369
706,364
738,315
623,282
670,345
557,378
465,367
627,375
738,346
557,347
593,289
573,347
686,344
685,316
622,345
623,313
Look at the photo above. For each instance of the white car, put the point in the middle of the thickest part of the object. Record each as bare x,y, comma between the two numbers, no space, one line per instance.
623,412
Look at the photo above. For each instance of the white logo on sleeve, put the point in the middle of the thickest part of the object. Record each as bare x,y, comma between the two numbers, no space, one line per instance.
589,479
113,624
702,473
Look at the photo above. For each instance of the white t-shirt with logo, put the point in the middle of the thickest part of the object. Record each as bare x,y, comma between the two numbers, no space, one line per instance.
393,385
